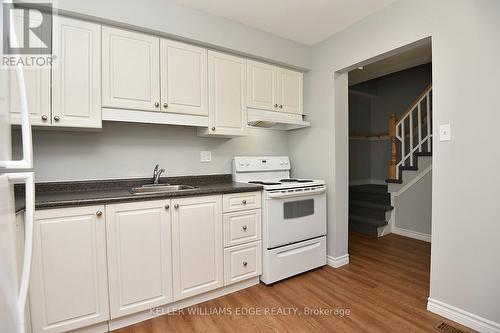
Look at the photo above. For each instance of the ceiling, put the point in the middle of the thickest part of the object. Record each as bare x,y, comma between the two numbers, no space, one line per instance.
304,21
418,55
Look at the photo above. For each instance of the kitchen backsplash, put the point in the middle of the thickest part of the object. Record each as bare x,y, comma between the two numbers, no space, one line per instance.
124,150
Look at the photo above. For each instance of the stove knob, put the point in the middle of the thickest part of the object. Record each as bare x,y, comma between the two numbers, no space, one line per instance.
281,162
286,162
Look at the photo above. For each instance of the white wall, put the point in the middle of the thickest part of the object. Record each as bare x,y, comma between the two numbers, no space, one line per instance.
125,150
170,17
413,207
465,267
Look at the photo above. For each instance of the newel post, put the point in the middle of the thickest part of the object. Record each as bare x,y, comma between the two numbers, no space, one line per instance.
394,156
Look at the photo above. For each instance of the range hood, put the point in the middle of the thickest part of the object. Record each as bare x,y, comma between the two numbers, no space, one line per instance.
275,120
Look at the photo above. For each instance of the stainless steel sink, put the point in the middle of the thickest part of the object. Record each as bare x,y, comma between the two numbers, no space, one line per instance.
151,188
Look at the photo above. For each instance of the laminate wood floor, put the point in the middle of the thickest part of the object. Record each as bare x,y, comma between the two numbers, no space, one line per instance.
384,288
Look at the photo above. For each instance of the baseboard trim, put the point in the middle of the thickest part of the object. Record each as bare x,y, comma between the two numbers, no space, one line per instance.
411,234
462,317
337,262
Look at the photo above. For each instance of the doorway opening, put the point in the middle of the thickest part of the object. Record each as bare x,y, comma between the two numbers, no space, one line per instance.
390,151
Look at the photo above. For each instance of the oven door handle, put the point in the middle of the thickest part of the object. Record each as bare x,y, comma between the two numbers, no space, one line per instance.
280,195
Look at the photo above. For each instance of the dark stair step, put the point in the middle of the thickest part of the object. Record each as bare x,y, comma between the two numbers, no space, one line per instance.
365,225
368,209
410,168
371,193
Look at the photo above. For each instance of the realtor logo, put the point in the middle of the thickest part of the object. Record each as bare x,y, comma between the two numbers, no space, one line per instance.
32,28
27,34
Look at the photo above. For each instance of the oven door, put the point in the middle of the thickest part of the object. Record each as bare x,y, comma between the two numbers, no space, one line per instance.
291,217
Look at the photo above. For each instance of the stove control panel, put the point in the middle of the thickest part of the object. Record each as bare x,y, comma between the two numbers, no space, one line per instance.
261,163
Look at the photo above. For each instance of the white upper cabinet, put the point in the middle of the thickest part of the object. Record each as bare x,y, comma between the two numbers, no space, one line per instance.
183,78
197,245
226,95
262,86
37,82
290,91
130,70
68,287
274,88
76,74
139,252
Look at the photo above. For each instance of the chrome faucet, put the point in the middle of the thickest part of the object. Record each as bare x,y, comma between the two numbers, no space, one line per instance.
156,174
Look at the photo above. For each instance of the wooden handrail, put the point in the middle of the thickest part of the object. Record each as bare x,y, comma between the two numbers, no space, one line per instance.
416,101
393,125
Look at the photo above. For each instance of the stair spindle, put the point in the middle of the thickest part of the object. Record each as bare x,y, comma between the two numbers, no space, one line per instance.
394,155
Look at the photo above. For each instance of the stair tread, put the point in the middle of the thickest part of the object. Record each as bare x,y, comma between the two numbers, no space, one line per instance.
408,168
367,220
367,204
411,168
369,188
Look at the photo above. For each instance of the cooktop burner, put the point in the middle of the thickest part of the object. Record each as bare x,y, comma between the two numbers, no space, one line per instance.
295,180
260,182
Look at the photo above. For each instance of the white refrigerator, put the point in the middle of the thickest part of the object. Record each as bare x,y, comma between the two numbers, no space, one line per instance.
15,253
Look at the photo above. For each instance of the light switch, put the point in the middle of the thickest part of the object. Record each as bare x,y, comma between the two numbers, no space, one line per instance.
205,156
444,132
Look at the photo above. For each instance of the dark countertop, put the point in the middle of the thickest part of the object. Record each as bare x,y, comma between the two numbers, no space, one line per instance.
82,193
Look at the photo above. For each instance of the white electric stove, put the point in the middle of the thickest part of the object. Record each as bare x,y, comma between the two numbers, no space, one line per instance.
293,216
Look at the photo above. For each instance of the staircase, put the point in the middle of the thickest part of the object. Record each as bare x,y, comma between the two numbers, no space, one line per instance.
370,208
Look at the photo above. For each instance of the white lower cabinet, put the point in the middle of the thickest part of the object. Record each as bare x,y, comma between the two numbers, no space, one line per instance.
197,245
143,254
242,235
242,262
69,287
139,256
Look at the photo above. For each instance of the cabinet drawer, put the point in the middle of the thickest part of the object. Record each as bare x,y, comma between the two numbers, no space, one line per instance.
242,262
242,227
241,201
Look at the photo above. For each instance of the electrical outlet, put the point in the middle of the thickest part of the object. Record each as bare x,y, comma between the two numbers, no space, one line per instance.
444,132
205,156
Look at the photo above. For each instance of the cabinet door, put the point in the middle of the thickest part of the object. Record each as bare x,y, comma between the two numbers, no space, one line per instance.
197,245
291,91
76,74
37,82
227,94
68,288
130,70
183,78
139,256
261,86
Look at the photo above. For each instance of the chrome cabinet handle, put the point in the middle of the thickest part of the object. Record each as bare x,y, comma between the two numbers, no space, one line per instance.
167,206
245,263
213,128
275,105
57,118
98,213
281,106
157,104
165,105
176,206
244,202
44,118
244,227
